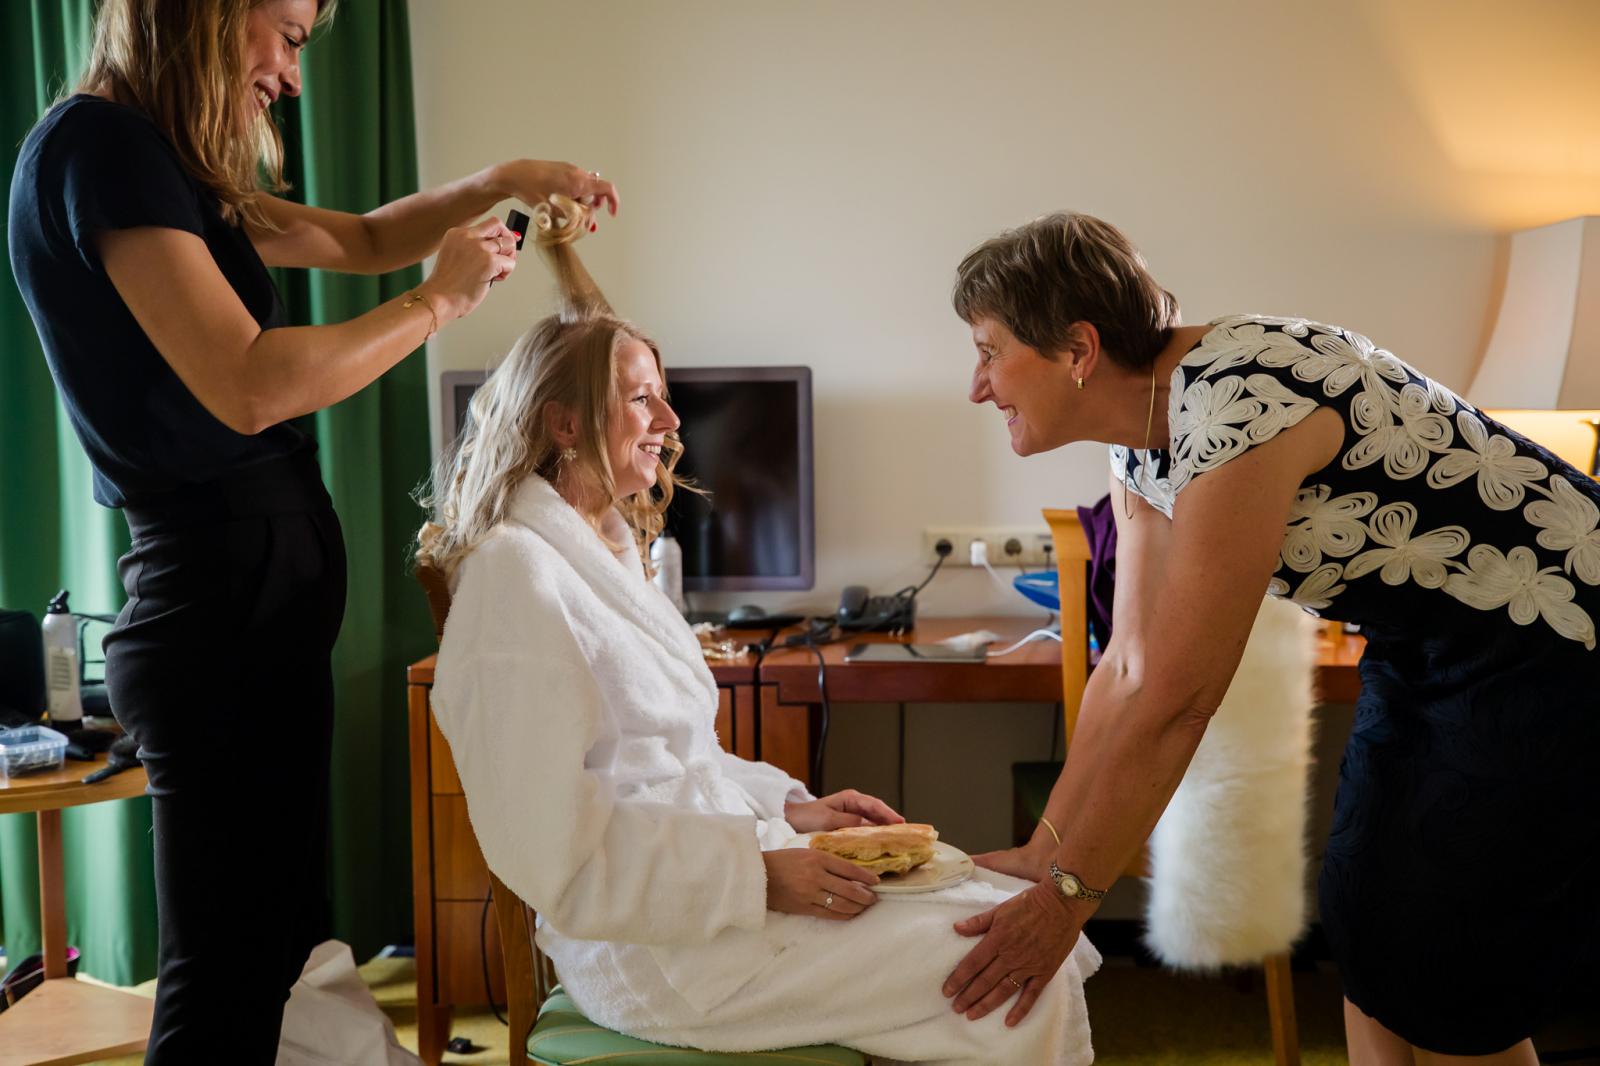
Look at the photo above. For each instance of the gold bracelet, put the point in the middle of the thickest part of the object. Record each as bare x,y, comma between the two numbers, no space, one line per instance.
415,297
1046,823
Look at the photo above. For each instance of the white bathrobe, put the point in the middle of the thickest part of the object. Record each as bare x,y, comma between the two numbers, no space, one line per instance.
581,716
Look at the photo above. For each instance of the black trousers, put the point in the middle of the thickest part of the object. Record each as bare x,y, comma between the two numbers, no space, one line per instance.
220,666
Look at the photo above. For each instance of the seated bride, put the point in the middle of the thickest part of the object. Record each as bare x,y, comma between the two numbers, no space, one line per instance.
581,716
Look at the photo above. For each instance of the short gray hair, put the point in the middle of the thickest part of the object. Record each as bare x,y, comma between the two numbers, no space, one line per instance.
1042,277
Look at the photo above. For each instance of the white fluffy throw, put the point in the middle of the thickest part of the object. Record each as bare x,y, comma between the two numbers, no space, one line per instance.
1228,859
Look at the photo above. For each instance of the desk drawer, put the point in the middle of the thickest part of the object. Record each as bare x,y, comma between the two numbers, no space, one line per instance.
460,929
459,872
440,761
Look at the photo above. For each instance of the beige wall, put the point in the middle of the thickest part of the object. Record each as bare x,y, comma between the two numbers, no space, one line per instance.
800,179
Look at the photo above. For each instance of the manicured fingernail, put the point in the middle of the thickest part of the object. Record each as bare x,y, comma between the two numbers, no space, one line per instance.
593,227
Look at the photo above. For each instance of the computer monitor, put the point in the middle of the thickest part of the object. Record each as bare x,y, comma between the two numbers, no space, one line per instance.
747,441
455,393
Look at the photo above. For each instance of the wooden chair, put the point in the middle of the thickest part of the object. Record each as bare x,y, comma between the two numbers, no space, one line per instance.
536,1006
1072,569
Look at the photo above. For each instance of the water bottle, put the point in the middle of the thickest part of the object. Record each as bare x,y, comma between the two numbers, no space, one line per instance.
61,662
667,558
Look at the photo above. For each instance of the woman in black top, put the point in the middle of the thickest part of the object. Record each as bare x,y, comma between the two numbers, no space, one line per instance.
140,239
1276,455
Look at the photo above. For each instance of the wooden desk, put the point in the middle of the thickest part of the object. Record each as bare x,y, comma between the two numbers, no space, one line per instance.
789,697
767,710
65,1021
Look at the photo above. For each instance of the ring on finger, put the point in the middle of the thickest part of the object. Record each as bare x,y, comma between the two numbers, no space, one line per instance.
827,904
1014,983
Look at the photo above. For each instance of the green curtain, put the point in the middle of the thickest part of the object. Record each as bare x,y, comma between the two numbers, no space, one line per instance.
350,145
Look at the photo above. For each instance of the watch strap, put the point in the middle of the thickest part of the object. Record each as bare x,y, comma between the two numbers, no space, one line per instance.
1084,892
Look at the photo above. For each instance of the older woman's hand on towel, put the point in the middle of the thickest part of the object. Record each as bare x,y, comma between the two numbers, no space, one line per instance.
804,881
1031,862
842,810
1025,941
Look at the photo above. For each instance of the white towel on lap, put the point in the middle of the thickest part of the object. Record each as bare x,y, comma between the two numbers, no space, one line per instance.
872,983
581,717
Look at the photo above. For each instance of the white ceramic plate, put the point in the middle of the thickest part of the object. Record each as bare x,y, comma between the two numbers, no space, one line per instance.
949,866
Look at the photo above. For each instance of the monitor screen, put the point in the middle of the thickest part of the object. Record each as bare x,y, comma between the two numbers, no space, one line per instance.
747,441
455,394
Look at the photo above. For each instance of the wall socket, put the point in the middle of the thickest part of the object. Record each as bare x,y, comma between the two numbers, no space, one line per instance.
1035,544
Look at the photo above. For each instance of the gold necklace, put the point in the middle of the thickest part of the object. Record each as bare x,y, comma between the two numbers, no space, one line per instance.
1149,421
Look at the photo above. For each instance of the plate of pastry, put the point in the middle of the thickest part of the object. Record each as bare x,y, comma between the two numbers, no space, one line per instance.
908,857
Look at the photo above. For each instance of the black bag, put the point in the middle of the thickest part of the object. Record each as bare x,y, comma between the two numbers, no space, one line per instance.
21,669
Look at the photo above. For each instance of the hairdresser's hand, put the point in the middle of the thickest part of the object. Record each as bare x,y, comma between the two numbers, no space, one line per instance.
839,811
804,881
470,257
532,181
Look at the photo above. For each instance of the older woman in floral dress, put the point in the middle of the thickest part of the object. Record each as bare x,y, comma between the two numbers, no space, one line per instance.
1262,454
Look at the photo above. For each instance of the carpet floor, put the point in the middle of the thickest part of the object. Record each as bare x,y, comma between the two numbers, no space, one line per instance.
1141,1017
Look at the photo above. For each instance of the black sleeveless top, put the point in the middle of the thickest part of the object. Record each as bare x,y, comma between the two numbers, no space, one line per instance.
91,165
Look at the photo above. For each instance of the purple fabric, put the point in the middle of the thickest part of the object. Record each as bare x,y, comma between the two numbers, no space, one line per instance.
1100,527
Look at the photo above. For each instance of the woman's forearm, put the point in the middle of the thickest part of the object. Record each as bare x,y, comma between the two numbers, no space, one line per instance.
1129,752
403,232
296,370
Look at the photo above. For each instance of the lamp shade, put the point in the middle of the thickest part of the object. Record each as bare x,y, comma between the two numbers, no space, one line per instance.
1544,353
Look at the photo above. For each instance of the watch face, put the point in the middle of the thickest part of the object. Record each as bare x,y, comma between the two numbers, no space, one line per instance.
1070,886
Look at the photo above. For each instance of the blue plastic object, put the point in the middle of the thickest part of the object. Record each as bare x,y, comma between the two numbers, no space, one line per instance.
1042,587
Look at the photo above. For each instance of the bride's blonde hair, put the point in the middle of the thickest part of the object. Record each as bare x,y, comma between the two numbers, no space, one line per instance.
567,359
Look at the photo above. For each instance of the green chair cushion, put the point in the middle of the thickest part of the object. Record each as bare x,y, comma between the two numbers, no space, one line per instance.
564,1037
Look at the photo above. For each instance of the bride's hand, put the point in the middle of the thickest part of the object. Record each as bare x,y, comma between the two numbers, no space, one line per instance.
805,881
841,810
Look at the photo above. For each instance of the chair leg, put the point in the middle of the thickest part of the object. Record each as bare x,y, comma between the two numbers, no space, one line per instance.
1280,1010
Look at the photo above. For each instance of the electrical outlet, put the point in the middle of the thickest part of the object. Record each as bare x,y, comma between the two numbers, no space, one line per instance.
1032,544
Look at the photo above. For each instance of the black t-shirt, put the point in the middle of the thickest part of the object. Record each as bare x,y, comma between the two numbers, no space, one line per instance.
92,165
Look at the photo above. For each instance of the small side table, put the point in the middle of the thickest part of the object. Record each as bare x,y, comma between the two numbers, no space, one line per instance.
64,1021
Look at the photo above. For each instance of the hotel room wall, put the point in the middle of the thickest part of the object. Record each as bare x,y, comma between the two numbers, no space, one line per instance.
800,180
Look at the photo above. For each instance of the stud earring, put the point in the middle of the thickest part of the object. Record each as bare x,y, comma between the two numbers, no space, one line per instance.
569,454
1080,384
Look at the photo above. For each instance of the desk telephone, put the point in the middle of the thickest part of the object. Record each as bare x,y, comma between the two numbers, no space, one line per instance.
860,612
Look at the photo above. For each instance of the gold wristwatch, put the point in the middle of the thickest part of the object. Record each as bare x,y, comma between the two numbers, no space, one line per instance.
1073,888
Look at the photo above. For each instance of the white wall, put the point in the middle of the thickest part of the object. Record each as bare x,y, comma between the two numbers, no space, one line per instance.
799,181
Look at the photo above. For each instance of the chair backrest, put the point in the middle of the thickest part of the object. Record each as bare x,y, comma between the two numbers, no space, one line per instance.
529,976
437,588
1072,571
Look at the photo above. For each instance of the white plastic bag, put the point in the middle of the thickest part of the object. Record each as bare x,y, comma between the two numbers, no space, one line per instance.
331,1018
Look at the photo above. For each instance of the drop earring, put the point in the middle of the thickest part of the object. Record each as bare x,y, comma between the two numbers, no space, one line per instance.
1080,384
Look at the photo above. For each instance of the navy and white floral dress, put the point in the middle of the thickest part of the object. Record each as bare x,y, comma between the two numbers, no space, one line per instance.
1461,887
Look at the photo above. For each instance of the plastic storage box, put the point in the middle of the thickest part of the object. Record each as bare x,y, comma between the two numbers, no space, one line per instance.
30,749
